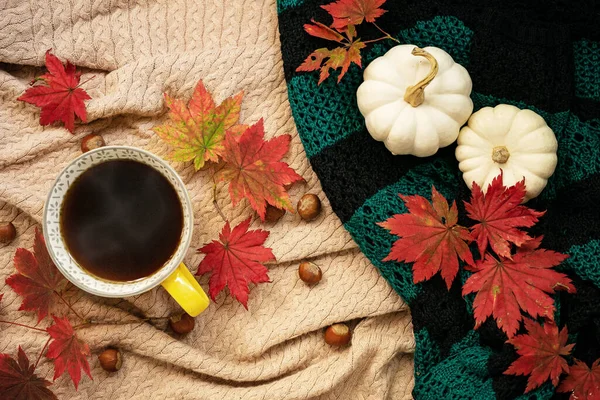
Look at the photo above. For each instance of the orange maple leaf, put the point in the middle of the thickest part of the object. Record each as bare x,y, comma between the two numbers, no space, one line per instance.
326,60
254,170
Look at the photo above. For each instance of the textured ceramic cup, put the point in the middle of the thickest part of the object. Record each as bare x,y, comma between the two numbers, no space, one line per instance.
174,276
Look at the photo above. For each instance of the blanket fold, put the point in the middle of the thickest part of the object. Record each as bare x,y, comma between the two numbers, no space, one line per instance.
135,51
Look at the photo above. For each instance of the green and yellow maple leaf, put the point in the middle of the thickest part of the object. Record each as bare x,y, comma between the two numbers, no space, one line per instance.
197,130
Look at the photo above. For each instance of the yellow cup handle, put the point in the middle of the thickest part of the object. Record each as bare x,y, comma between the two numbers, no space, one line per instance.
186,291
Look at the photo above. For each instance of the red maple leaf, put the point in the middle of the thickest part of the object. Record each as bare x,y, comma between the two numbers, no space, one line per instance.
68,352
541,353
346,12
18,381
504,286
255,172
37,277
583,382
235,260
62,99
429,237
500,214
322,31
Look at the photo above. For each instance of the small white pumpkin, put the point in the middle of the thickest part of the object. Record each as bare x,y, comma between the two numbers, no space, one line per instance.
505,137
415,100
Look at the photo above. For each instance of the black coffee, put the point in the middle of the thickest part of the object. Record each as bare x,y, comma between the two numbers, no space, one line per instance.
121,220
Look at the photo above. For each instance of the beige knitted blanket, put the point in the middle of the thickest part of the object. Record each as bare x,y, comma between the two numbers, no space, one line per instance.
136,50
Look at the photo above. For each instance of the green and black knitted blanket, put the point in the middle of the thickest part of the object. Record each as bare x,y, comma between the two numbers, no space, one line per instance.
541,55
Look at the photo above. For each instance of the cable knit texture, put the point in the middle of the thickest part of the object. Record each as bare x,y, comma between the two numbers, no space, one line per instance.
543,55
136,50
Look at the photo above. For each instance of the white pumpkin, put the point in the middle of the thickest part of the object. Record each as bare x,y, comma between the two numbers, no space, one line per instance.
415,100
505,137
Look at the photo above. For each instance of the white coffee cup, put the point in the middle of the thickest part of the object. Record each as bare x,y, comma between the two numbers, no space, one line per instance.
174,276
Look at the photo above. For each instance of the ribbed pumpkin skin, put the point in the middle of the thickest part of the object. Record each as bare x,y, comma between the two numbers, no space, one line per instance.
529,140
421,130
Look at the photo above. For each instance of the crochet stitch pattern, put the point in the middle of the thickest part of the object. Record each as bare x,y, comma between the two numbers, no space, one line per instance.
540,55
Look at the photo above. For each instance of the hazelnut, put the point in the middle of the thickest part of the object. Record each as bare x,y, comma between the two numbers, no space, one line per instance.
309,272
273,214
338,335
91,142
309,206
182,323
7,232
110,360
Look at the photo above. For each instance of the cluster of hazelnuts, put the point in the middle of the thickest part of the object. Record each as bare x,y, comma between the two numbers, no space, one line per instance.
308,208
111,359
310,273
336,334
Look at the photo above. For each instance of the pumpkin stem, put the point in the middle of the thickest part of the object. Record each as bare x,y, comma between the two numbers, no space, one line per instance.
500,154
414,95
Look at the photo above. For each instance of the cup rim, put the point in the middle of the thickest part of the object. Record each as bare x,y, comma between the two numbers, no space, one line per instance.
102,287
